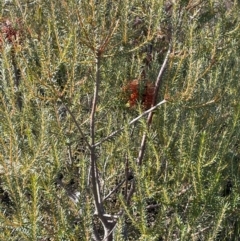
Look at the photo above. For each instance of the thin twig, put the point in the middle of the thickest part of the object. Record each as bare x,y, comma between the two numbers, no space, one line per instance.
126,177
200,231
130,123
152,206
114,227
70,154
142,149
77,125
150,115
114,190
131,191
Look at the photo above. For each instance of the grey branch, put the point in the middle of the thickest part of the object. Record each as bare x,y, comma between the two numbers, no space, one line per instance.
130,123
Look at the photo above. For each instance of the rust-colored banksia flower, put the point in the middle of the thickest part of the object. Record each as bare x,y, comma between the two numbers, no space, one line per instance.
139,91
9,32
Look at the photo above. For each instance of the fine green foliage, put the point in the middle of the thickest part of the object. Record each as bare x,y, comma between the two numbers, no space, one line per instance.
75,164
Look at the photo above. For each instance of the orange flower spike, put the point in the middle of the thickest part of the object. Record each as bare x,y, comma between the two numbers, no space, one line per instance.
133,89
148,96
143,94
10,32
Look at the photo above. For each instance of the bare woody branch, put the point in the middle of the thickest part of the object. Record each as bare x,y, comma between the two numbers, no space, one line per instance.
94,170
150,115
131,122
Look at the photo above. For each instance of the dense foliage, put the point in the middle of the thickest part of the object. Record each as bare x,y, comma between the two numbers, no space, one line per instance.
80,160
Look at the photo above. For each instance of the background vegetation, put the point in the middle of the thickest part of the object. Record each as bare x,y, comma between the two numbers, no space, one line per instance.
73,166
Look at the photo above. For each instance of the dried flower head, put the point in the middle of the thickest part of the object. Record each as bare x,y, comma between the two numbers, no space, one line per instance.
138,91
9,32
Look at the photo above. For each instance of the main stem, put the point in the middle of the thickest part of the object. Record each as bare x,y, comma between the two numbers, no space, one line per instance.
99,210
94,172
